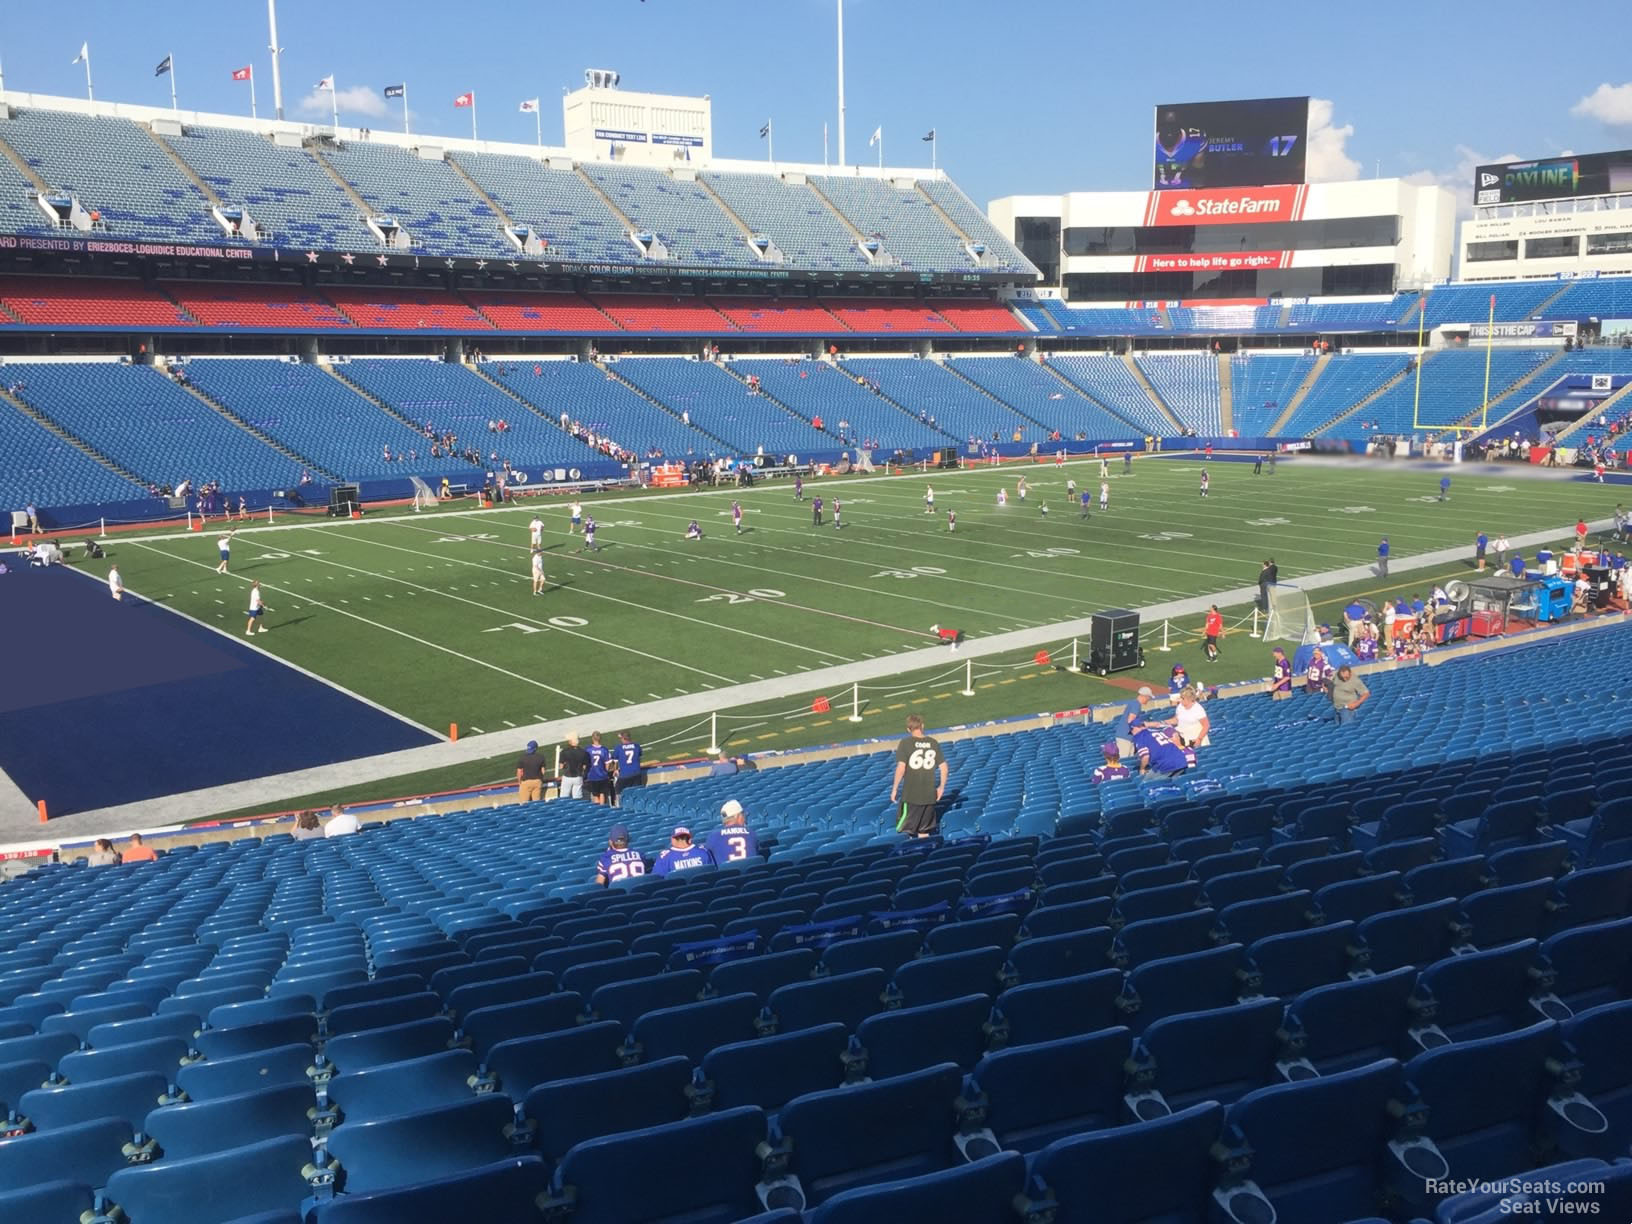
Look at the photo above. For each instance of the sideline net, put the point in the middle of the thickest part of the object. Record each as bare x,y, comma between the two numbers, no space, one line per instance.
1290,617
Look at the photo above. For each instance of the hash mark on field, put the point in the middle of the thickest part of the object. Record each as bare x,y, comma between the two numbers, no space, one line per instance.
654,696
900,705
569,713
770,735
919,700
780,672
823,723
221,602
508,723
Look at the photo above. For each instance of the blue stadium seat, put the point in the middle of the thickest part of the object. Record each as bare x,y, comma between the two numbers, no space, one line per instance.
984,1190
1593,894
1604,837
695,1028
1156,938
51,1202
1301,960
594,1178
413,1084
522,1063
934,979
1066,917
1068,954
16,1078
1216,1055
380,1013
768,1072
199,1128
487,1026
1312,1149
1023,1098
1538,861
1484,1101
1479,994
87,1154
160,1055
1496,916
867,1133
843,998
211,1080
1417,935
250,1038
585,978
1347,1024
506,1192
1598,1040
912,1038
413,1147
261,1177
126,1097
1590,965
760,975
1246,922
1174,984
1501,826
1065,1007
887,952
233,1015
1156,1171
1454,878
566,1112
1357,900
627,1001
473,996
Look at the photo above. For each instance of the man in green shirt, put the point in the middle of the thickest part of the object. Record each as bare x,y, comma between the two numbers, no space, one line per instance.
917,760
1349,693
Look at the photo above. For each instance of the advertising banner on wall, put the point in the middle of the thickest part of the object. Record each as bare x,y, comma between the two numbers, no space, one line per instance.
1226,206
1553,178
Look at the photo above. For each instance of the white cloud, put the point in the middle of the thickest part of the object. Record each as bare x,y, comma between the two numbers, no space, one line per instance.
1458,177
1328,159
355,100
1608,104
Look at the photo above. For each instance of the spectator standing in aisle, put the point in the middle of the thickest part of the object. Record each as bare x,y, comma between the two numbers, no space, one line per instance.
530,775
599,772
1280,677
1382,557
920,781
1213,628
1349,693
574,762
1190,721
630,770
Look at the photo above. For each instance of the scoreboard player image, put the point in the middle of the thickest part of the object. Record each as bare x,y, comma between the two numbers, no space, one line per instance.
1181,153
1255,143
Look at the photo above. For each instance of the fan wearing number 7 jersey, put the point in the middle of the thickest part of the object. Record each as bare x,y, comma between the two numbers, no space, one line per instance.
918,757
733,841
620,862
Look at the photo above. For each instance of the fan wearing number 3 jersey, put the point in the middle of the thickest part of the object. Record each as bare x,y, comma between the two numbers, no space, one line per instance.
920,781
733,841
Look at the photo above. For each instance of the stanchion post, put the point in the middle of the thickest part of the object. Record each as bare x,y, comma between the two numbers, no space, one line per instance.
1073,654
713,734
968,677
104,532
1164,647
1255,632
855,703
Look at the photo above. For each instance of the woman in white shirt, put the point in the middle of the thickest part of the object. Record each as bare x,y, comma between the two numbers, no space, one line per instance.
116,584
1190,720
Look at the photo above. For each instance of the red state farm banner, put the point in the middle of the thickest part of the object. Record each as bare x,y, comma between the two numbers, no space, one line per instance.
1226,205
1228,261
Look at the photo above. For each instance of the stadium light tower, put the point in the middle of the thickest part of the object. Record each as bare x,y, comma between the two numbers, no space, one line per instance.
841,82
277,77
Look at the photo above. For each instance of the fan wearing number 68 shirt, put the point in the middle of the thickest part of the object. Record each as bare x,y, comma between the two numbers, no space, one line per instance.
918,757
733,841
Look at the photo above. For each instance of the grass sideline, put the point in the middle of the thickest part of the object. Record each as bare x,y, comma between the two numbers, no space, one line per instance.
1005,687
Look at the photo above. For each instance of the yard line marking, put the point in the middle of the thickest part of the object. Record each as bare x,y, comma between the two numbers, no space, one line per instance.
357,569
387,628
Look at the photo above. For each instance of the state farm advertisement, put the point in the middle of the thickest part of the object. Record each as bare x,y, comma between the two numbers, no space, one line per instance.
1227,205
1223,261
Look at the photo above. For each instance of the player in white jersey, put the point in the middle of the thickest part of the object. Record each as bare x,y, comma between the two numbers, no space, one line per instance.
538,571
1204,482
929,499
1071,490
951,520
257,606
1002,498
1104,495
1104,468
223,544
116,585
1020,488
535,532
577,511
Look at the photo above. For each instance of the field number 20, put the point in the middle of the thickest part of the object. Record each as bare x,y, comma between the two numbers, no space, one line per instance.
742,597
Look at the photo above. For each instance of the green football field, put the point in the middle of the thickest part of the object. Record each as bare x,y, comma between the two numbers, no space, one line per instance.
432,615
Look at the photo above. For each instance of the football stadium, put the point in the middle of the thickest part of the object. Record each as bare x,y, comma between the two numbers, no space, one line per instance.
839,695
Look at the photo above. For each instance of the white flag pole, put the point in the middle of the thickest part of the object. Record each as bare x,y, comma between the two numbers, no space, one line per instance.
90,96
824,142
473,114
770,142
881,147
334,105
172,58
841,82
538,123
277,76
934,138
252,113
405,108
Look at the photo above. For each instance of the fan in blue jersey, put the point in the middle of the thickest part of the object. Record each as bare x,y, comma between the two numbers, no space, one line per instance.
682,855
1159,750
733,841
1177,680
627,753
1112,768
620,862
602,769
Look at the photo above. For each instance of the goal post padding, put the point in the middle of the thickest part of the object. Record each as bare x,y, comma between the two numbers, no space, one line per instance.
1290,617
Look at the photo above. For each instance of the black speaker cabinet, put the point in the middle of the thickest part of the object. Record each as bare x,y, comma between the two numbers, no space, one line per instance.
1113,641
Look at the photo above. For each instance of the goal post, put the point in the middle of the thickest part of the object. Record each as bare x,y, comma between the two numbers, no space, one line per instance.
1290,619
424,499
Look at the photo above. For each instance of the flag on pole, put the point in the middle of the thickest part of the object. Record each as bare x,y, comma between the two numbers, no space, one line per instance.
326,83
765,129
878,135
529,106
243,74
84,53
929,137
395,91
466,99
164,66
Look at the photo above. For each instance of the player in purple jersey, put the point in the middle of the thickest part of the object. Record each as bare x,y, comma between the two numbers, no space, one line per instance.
837,511
798,487
815,512
736,515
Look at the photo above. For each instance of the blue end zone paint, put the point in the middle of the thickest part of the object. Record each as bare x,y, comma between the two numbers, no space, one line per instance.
105,703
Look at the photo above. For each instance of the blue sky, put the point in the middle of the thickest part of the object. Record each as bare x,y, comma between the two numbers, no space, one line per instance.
1027,95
